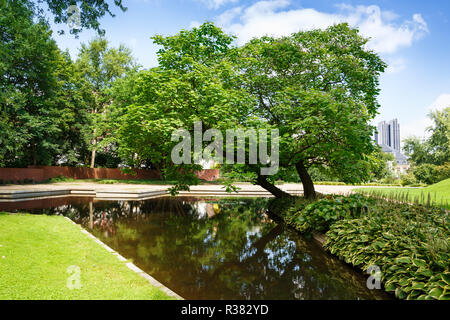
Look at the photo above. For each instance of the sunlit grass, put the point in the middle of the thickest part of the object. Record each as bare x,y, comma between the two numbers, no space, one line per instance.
437,194
36,250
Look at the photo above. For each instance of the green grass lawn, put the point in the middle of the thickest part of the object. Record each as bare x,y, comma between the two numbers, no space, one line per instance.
439,193
37,250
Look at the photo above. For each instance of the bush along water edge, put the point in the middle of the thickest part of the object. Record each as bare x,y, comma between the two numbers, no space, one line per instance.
409,243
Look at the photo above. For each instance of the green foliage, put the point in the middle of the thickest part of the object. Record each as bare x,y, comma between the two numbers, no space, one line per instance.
91,11
41,110
379,165
436,149
319,88
193,83
99,66
430,173
61,179
440,136
408,179
442,172
322,113
425,173
306,217
435,195
411,245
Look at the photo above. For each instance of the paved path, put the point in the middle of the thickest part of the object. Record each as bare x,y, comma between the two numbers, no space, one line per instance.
134,191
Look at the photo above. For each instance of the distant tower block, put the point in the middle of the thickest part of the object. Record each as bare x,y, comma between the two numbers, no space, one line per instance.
388,137
389,134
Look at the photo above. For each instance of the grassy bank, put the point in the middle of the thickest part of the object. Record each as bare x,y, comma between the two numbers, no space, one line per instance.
36,252
409,243
437,194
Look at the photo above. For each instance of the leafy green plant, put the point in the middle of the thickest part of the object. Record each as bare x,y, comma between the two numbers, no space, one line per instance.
61,179
411,245
307,216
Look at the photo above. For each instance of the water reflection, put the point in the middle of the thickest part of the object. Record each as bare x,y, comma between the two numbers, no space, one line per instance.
218,249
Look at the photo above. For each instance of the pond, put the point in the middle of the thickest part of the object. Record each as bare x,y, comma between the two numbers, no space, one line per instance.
212,248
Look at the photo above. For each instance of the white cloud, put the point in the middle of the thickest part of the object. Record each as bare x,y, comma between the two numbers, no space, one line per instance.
441,102
194,24
418,126
395,65
275,18
132,43
228,16
216,4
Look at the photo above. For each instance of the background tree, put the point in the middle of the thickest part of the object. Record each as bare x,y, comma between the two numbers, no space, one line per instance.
38,98
439,142
436,149
99,67
430,157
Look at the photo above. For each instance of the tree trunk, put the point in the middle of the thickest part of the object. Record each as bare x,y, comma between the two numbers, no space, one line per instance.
94,142
308,185
93,158
278,193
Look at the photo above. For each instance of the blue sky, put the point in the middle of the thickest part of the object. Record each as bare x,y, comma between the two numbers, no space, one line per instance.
412,36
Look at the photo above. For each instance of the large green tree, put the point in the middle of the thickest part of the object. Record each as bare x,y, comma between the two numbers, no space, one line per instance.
194,82
319,88
41,111
99,66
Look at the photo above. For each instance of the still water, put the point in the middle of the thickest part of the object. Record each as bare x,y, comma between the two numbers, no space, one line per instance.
212,248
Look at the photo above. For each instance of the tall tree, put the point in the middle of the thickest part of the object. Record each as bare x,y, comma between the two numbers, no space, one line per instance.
100,66
439,141
319,89
36,93
435,149
193,83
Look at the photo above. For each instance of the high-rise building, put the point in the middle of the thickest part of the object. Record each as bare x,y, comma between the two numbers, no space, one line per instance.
394,135
388,137
389,134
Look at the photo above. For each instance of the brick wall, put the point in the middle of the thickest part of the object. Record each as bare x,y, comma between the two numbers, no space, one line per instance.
42,173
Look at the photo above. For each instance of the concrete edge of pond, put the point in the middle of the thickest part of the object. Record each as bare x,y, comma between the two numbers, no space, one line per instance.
130,265
99,194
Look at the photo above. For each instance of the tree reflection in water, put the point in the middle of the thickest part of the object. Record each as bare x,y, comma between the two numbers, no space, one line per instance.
219,249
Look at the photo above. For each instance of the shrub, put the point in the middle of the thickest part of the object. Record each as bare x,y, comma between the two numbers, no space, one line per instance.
408,179
411,245
431,174
390,180
442,172
61,179
307,216
108,181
